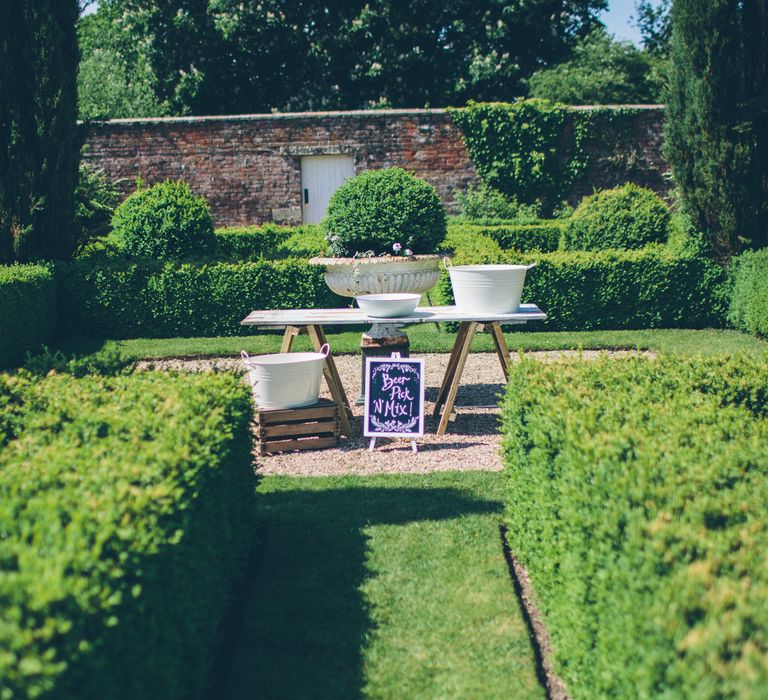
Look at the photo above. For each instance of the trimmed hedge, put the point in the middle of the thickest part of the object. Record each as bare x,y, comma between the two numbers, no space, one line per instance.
27,310
543,237
624,217
378,209
749,297
269,242
155,300
636,494
127,511
654,287
164,221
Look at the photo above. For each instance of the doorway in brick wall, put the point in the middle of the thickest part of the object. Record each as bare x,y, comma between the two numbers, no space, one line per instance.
321,176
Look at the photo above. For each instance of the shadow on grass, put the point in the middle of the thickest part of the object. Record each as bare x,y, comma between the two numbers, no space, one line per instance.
304,623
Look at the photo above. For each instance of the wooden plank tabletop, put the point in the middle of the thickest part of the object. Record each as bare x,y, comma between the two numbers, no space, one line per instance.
349,317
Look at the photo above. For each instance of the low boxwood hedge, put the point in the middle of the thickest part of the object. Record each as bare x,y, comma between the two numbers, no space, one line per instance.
543,237
27,310
270,242
636,494
749,297
155,300
126,506
655,287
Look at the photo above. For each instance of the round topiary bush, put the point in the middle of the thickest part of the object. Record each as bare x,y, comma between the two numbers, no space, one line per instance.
385,212
164,221
624,217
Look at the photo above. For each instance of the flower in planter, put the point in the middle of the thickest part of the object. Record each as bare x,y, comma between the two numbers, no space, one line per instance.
382,213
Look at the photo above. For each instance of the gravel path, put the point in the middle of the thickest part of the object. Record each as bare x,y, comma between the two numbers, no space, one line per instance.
471,443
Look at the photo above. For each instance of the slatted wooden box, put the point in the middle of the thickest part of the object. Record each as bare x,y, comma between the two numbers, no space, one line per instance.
287,429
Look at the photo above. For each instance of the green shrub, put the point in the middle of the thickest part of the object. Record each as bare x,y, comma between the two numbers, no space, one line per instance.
624,217
649,288
96,198
28,315
380,209
543,237
127,510
270,242
485,203
164,221
465,238
636,494
157,300
749,300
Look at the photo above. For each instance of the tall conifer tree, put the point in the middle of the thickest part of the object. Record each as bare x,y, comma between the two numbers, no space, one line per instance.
716,122
39,140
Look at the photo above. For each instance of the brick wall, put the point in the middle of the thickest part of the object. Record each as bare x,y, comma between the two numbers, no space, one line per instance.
249,167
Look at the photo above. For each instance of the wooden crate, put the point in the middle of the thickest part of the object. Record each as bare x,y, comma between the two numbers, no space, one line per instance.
311,428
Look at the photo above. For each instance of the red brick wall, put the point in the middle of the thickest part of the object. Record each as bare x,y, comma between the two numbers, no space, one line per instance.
249,167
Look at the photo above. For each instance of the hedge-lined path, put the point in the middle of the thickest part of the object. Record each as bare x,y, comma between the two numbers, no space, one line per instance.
471,443
390,586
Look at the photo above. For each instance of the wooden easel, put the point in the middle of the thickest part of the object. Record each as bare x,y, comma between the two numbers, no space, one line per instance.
331,374
372,445
450,385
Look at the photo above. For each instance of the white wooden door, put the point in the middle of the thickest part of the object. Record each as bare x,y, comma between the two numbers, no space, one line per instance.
321,176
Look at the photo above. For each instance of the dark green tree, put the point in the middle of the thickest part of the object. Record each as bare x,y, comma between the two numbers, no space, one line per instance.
654,21
717,119
39,140
602,70
228,56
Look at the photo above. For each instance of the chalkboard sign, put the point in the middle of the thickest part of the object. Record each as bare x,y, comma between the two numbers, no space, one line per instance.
394,397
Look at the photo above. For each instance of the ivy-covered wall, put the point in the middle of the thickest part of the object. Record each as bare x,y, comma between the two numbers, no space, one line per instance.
536,150
249,167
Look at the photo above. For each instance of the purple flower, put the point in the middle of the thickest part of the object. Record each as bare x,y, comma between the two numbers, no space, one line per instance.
334,238
408,251
396,247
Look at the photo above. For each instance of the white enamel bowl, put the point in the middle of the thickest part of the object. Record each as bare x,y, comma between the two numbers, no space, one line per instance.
285,380
388,305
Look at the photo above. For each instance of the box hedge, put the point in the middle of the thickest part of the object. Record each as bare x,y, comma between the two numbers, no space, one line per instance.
156,300
636,494
623,217
749,297
27,310
543,237
127,506
655,287
270,242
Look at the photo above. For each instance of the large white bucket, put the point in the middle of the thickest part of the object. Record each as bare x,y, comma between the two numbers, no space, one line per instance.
487,289
286,380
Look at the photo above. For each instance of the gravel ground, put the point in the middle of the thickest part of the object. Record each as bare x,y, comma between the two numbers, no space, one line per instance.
471,443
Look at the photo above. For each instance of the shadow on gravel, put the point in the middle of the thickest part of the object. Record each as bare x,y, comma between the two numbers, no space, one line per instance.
304,623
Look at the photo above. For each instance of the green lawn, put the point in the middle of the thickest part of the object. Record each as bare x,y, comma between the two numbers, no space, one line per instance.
427,338
381,587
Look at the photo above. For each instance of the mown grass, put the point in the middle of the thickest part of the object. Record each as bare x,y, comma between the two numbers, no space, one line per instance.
381,587
428,338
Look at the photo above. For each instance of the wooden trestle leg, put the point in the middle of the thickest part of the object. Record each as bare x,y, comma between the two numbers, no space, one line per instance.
290,333
502,349
453,378
332,378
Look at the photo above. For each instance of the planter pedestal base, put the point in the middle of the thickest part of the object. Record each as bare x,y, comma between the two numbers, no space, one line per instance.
381,340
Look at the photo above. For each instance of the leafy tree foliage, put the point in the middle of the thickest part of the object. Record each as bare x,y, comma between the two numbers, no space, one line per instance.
114,80
39,148
228,56
602,70
655,25
717,119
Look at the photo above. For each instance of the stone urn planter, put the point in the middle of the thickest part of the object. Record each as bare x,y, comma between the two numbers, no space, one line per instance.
351,277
